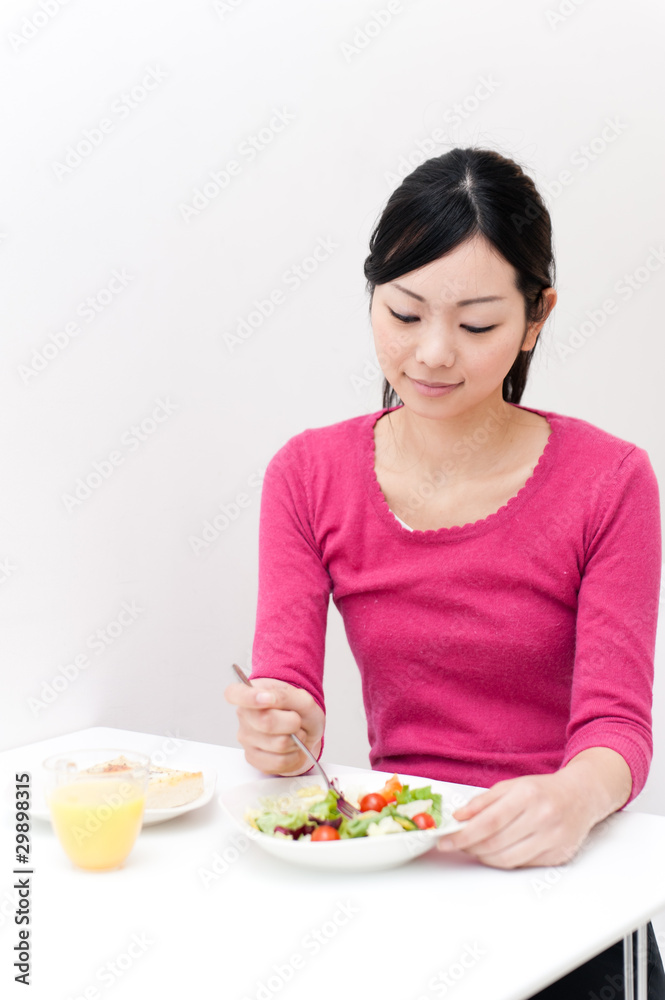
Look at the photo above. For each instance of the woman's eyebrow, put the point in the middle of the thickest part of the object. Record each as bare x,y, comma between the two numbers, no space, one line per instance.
463,302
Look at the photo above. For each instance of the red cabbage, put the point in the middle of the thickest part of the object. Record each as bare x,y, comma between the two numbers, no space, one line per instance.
336,823
298,832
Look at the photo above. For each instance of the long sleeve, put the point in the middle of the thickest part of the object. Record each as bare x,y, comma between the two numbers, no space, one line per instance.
487,650
294,585
616,622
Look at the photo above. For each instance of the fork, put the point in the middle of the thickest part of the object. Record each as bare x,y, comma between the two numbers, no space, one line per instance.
346,808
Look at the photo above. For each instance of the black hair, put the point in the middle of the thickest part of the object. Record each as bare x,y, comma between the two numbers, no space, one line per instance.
451,198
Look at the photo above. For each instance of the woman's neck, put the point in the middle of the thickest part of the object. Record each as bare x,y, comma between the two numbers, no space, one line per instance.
470,445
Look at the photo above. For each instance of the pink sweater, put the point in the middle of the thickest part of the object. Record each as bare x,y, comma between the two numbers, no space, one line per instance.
498,648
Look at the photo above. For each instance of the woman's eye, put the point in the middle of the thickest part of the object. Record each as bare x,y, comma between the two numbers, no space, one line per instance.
403,319
414,319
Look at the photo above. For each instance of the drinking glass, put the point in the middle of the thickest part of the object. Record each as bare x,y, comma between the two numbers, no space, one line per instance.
96,803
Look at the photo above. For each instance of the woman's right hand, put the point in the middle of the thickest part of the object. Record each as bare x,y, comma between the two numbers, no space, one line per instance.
268,712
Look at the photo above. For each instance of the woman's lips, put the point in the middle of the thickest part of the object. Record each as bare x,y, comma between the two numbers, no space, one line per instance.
427,389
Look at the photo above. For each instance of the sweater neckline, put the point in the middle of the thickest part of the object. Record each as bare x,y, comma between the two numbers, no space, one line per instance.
512,505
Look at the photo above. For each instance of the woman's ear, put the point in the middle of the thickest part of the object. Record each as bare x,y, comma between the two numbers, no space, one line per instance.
548,301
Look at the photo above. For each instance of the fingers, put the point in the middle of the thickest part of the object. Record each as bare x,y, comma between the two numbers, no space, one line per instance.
515,846
530,852
266,692
282,764
555,856
268,713
517,855
478,803
266,735
276,754
271,721
499,825
243,696
276,740
518,823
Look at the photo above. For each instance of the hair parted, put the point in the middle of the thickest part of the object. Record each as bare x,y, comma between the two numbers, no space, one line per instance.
451,198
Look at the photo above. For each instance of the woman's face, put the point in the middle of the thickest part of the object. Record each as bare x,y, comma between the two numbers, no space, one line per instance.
426,329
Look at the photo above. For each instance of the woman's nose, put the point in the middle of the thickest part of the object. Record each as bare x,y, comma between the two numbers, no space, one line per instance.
435,348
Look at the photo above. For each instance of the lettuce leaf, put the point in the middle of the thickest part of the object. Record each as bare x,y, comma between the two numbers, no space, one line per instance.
267,821
327,809
407,794
358,827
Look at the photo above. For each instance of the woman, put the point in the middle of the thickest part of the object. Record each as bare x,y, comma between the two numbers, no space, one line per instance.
497,567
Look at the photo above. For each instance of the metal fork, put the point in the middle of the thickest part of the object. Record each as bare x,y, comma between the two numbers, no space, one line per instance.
344,807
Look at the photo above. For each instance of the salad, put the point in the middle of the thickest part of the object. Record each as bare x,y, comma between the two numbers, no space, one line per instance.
312,813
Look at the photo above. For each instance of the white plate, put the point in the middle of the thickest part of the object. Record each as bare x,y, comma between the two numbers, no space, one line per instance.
39,810
358,854
152,816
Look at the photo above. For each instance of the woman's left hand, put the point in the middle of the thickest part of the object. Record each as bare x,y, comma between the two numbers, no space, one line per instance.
538,819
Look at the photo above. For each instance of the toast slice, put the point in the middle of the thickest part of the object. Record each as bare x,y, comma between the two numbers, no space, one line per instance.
167,787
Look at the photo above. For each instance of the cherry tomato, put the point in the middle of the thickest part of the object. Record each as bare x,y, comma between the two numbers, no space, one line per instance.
391,786
325,832
374,801
424,821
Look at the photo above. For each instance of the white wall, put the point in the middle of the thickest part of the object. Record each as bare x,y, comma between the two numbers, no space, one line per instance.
218,72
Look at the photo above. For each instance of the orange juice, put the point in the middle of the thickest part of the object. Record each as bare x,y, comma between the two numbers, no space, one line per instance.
97,821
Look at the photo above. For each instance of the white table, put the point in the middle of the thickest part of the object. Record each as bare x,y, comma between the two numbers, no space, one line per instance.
198,911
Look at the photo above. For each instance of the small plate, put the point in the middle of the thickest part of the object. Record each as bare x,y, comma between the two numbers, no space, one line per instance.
152,816
358,854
